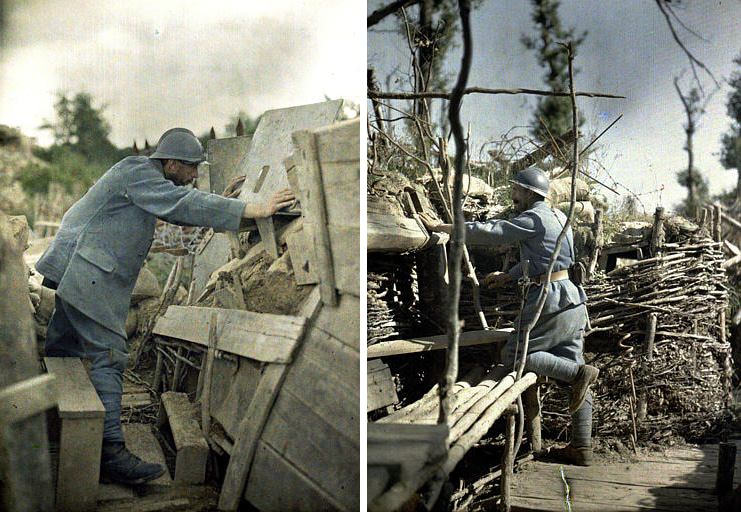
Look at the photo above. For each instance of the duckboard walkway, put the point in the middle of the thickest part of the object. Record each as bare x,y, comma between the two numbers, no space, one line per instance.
679,479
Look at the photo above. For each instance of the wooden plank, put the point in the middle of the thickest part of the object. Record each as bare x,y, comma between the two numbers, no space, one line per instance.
77,396
339,142
190,445
233,387
261,336
224,155
215,254
272,143
341,183
381,391
27,398
314,209
342,322
345,243
317,444
424,344
249,432
278,485
393,233
329,393
302,258
80,445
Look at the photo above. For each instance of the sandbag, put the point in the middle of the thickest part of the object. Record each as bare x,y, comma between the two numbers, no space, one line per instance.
560,190
146,286
583,211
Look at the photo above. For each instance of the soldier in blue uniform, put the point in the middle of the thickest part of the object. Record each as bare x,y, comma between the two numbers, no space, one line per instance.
556,341
97,254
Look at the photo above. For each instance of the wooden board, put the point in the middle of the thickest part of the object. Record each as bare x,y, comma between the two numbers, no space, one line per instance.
394,234
232,389
397,451
190,445
343,321
381,391
77,396
268,493
272,143
302,258
314,443
680,479
260,336
214,255
424,344
248,433
224,156
345,243
329,393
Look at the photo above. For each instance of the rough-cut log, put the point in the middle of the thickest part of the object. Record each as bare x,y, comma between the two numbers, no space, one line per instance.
424,344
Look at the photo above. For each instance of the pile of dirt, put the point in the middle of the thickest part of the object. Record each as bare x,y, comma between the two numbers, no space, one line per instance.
270,287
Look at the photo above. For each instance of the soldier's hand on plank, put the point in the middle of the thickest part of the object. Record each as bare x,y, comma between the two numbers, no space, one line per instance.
430,222
496,280
280,200
277,202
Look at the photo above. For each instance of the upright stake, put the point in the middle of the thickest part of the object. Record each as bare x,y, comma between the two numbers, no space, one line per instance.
657,235
648,355
508,463
726,466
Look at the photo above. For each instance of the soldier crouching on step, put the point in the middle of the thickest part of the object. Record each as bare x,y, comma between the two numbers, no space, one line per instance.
557,339
95,259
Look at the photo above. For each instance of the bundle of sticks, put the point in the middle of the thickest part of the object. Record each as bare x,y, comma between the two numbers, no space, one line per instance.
391,298
658,336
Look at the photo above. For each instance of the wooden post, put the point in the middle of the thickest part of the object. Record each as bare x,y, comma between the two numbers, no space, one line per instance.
157,379
531,403
597,231
507,464
727,366
717,231
657,234
432,279
726,465
648,355
178,370
207,371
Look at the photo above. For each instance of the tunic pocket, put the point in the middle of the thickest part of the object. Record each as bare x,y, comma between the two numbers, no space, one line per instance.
98,257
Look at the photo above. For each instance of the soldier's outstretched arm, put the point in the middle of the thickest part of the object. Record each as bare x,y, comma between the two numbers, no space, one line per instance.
150,191
500,231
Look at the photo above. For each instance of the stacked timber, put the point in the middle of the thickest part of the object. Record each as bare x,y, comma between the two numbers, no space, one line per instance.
272,332
391,298
658,335
477,401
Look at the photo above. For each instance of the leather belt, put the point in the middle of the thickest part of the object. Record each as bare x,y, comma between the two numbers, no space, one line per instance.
555,276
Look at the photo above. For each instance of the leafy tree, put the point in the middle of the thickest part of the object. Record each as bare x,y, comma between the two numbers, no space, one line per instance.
249,124
730,156
66,167
554,111
81,127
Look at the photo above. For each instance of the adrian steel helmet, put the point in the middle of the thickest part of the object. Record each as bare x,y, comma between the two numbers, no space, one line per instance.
533,179
179,144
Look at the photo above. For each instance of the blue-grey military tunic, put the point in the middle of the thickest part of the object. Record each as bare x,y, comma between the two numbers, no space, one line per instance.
535,230
104,238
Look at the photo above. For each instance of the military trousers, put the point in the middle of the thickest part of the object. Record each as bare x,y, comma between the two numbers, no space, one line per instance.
73,334
556,350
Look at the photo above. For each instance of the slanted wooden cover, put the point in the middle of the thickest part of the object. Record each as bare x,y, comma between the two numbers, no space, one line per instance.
261,336
271,144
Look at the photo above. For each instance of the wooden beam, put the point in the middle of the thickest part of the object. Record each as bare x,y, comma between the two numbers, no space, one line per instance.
730,221
250,430
427,343
260,336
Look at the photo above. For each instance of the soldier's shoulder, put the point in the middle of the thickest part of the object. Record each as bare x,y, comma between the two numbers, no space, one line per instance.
137,165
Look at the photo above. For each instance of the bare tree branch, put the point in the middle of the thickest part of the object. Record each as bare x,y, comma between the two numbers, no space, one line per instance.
482,90
379,14
693,60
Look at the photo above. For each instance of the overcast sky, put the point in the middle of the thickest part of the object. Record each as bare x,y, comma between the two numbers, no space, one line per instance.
157,64
629,51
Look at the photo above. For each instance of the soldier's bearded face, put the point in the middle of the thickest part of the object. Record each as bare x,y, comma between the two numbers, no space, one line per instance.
180,173
520,198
